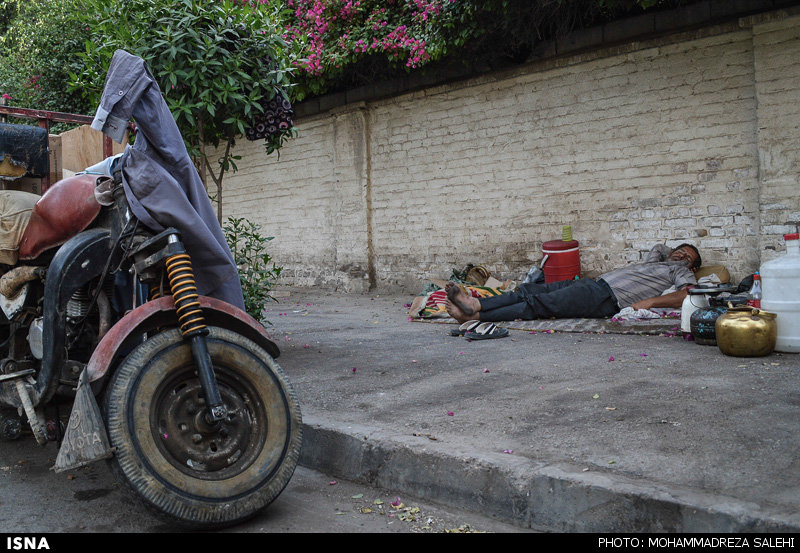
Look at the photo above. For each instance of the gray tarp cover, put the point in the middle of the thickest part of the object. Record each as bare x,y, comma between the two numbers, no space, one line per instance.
161,182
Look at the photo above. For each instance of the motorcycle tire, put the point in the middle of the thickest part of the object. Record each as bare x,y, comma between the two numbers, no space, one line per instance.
167,454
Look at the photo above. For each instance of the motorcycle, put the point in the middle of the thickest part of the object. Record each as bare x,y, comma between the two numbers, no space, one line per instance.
179,392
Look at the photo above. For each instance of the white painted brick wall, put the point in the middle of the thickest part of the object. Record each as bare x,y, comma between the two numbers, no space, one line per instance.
692,141
777,84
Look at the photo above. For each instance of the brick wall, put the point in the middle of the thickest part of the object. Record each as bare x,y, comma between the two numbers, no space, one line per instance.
777,82
688,138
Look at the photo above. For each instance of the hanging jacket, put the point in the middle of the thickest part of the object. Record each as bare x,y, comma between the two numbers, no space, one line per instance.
160,180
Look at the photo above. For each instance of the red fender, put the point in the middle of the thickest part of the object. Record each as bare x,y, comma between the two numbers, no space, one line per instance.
160,313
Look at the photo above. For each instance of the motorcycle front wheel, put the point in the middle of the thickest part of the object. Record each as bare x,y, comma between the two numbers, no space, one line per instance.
178,464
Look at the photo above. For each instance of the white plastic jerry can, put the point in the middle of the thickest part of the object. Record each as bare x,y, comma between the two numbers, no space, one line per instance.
780,288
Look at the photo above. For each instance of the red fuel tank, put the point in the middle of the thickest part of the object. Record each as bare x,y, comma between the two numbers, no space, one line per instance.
68,207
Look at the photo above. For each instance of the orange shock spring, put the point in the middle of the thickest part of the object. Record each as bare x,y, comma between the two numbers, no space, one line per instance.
184,293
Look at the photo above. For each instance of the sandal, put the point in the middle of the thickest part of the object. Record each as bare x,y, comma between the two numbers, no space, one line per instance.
465,327
486,331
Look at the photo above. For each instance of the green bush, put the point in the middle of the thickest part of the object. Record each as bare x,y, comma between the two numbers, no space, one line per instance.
39,42
257,270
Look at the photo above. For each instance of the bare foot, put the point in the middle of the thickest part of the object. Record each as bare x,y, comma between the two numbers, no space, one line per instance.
458,314
466,303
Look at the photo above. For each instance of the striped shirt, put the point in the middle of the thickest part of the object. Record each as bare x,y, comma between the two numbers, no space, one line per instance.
649,279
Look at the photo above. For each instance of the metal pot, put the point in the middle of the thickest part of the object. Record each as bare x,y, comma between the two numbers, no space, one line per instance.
702,323
746,332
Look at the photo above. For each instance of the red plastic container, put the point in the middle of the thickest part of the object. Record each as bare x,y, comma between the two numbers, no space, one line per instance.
563,260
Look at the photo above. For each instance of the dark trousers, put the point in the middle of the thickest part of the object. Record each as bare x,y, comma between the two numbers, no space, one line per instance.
584,298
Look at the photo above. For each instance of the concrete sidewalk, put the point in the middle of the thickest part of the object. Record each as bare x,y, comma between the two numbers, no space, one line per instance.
544,430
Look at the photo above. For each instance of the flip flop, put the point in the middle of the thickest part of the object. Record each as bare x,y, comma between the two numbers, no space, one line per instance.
486,331
465,327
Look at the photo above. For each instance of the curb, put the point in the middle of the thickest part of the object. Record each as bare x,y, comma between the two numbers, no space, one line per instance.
520,491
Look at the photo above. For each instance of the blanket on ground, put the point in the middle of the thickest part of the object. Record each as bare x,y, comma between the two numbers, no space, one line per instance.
666,325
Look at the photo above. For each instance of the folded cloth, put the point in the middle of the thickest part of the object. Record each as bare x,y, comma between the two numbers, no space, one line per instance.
434,305
630,313
711,279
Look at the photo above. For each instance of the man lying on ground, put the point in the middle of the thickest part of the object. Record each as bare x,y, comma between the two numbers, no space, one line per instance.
639,286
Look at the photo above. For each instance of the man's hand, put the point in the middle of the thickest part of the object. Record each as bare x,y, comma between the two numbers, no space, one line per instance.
644,304
673,299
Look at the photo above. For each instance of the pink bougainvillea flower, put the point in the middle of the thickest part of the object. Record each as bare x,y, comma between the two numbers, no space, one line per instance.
611,358
325,29
354,369
450,413
508,451
643,354
332,483
486,370
396,502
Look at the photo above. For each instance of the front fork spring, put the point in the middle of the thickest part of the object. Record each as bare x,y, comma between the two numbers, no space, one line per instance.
184,293
193,328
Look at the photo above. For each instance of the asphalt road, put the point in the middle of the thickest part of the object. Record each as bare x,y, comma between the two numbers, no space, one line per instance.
36,500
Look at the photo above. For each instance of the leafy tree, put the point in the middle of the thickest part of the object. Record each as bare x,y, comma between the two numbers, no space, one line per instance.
9,9
217,61
38,44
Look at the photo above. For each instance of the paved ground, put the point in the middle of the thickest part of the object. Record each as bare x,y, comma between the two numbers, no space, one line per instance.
562,431
88,500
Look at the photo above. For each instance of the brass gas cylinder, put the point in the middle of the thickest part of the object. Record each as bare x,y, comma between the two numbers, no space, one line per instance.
746,332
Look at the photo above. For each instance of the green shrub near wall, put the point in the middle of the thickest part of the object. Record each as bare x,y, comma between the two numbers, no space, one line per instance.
258,273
